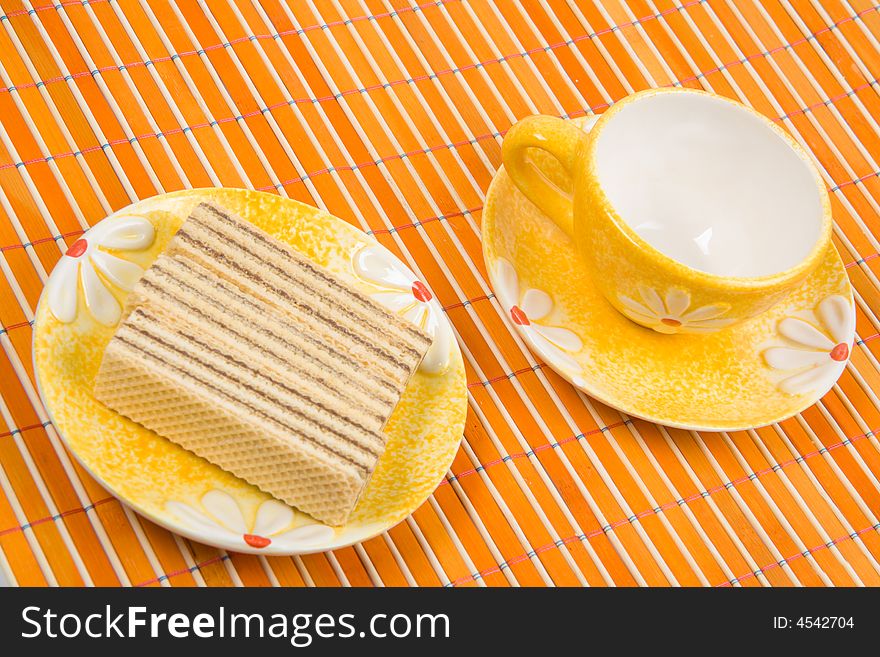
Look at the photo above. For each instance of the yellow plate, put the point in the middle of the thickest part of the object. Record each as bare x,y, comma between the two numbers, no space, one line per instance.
749,375
181,491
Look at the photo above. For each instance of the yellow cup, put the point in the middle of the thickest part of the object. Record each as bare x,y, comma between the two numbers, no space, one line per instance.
692,212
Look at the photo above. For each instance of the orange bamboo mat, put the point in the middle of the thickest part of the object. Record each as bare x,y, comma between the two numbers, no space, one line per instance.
391,115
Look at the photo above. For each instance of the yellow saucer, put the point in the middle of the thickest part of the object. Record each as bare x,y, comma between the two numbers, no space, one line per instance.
745,376
172,486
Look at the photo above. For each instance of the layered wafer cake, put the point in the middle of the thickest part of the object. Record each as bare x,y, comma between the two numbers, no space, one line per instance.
257,359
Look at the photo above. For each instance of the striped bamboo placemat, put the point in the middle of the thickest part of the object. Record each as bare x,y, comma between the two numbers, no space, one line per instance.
390,114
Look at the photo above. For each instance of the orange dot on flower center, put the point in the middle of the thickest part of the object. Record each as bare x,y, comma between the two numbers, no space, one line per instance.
840,353
77,248
421,292
669,321
256,541
519,317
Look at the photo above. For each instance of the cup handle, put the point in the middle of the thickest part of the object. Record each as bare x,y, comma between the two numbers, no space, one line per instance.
559,138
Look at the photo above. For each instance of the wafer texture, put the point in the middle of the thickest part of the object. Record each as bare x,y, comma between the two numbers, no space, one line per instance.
242,351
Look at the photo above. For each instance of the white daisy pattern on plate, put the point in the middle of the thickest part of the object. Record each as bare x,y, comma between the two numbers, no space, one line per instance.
86,257
814,355
672,314
221,518
554,344
401,292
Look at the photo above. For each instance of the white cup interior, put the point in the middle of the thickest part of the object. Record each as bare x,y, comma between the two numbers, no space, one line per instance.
709,184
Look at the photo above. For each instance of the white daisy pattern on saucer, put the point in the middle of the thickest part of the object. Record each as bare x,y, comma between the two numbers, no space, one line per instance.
554,344
814,355
401,292
221,518
84,260
672,314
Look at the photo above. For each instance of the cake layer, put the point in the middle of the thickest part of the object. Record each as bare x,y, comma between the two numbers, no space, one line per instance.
226,432
271,367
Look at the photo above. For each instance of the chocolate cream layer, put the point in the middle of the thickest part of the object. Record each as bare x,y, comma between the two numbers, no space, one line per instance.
376,339
361,309
240,322
231,377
